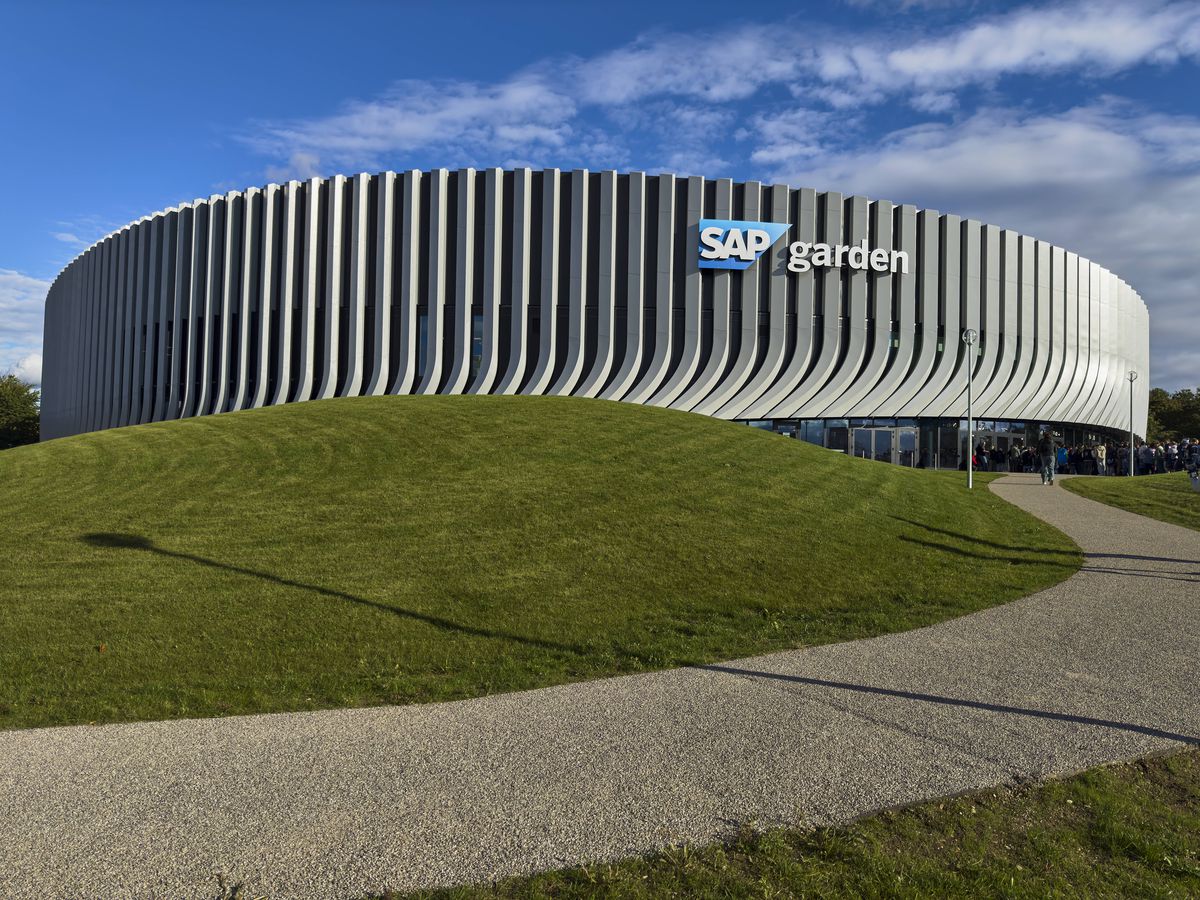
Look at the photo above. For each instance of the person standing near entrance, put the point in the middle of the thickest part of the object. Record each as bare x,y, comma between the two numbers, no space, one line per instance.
1100,454
1047,451
1014,457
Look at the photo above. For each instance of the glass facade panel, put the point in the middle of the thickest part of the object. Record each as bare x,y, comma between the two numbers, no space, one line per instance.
863,442
883,444
812,431
837,434
906,446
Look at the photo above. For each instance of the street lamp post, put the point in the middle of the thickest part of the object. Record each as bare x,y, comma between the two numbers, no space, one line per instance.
1132,376
969,337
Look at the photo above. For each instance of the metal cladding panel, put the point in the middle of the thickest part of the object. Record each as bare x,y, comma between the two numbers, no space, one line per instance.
329,349
519,347
820,302
599,367
264,302
576,298
793,310
464,285
743,319
662,220
1032,351
685,299
490,284
547,320
384,238
355,302
949,350
286,281
991,313
635,336
178,302
713,341
954,395
583,284
879,318
835,398
901,341
407,265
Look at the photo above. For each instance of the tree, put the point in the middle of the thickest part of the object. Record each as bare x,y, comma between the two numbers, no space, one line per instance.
19,414
1174,416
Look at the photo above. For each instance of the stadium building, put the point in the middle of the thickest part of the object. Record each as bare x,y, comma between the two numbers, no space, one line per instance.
836,319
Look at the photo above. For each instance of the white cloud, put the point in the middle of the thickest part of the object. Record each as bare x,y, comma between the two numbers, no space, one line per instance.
539,113
793,135
934,102
29,368
22,300
1117,186
464,120
67,238
1106,35
300,165
731,64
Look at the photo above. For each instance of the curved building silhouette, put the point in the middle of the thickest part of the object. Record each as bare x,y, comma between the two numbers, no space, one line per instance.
597,284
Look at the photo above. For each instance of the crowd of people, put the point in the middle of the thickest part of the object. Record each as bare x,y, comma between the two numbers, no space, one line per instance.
1050,456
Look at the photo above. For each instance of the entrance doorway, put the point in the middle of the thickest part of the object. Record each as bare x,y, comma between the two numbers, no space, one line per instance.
892,445
1004,440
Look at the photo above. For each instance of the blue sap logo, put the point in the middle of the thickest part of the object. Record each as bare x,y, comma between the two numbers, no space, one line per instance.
731,244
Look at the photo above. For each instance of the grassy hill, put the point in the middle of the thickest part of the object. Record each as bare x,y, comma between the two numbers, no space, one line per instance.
1169,498
400,549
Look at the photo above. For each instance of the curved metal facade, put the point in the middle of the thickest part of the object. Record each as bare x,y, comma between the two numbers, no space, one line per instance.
579,283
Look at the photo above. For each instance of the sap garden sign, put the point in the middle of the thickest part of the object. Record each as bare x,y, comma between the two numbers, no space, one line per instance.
733,244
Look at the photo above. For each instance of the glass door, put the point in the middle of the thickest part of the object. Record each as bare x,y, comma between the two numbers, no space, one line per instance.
906,447
883,444
864,443
889,445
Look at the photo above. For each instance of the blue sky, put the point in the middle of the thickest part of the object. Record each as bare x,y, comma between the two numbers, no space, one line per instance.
1078,122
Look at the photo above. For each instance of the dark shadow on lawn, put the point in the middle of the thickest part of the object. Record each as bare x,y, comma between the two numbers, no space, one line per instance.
1016,560
138,542
955,701
959,551
974,540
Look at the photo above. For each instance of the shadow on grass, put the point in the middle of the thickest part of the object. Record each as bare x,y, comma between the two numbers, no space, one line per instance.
955,701
990,557
1016,560
112,541
959,536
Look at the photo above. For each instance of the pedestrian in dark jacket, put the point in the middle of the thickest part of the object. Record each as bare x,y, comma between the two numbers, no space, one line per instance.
1047,453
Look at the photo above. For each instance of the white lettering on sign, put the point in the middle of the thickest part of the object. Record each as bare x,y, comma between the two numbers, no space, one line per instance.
745,245
803,256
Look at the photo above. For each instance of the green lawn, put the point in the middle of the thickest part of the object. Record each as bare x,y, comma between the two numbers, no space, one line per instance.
1169,498
1119,831
410,549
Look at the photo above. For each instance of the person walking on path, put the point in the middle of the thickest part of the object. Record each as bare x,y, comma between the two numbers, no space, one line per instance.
1047,453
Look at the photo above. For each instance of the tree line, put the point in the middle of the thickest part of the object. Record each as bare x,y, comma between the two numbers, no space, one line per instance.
1173,416
18,412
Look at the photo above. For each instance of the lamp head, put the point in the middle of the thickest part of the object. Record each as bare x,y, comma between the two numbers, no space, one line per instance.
969,336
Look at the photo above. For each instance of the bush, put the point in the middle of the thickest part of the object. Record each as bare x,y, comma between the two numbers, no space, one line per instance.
19,415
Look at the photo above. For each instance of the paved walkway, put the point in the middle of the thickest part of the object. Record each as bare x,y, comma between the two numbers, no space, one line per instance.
334,804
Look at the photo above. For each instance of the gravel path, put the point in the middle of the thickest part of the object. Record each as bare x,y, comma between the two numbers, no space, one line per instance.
334,804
